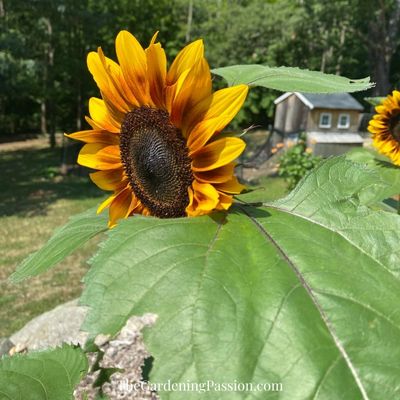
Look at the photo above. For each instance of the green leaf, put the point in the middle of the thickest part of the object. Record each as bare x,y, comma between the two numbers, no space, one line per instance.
303,291
289,79
64,241
387,174
374,101
47,375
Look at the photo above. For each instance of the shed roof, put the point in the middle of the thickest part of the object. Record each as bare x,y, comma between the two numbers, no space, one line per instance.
339,101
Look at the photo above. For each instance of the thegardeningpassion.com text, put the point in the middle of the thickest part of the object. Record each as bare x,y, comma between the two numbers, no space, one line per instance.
200,387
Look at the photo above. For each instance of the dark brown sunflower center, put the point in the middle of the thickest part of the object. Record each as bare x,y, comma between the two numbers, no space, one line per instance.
156,161
395,126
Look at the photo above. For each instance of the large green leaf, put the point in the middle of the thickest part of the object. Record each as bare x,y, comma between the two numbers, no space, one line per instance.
289,79
65,240
303,291
45,375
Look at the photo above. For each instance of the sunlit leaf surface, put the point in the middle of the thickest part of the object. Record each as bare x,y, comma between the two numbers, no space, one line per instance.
303,291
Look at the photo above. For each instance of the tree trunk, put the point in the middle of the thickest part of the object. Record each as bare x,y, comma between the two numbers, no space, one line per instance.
381,72
341,43
43,119
52,126
326,55
48,83
79,110
383,41
189,20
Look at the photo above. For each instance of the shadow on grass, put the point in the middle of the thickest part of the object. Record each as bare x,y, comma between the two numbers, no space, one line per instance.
30,181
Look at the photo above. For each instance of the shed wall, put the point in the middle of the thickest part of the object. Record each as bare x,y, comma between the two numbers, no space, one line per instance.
314,116
332,149
280,116
296,116
291,115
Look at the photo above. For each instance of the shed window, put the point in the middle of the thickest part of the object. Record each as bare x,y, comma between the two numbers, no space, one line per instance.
343,121
325,120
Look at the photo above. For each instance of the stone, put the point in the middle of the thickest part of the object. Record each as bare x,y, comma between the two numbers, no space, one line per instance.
126,350
5,346
51,329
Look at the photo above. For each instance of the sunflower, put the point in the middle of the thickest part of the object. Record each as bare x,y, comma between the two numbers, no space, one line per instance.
154,137
385,127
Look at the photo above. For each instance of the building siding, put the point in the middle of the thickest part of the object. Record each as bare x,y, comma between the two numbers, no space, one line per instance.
332,149
280,116
291,115
314,116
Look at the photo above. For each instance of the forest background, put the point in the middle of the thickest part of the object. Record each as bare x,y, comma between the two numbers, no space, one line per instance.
45,84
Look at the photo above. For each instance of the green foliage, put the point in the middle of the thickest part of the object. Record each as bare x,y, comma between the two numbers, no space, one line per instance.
51,374
304,286
374,101
43,49
295,162
65,240
44,45
269,292
290,79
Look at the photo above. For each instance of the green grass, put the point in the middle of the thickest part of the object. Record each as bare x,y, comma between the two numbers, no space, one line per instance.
34,200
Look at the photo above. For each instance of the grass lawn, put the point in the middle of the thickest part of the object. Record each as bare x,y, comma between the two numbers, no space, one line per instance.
34,200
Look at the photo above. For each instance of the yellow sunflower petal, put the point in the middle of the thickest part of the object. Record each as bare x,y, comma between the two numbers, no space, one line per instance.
100,156
225,201
195,88
135,205
377,124
117,78
119,208
218,175
112,179
390,100
185,59
217,154
232,186
106,85
380,109
171,91
101,117
224,104
156,72
203,198
106,203
132,59
396,96
205,130
95,136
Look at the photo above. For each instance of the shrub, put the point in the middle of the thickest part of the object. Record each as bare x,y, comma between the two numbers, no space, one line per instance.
296,162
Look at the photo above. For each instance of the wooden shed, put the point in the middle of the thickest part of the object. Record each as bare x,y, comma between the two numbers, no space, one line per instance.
331,121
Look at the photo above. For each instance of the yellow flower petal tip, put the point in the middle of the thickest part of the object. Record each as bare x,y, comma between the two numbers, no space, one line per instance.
154,38
154,138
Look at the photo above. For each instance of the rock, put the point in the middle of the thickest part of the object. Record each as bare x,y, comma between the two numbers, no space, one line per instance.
127,353
60,325
5,346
